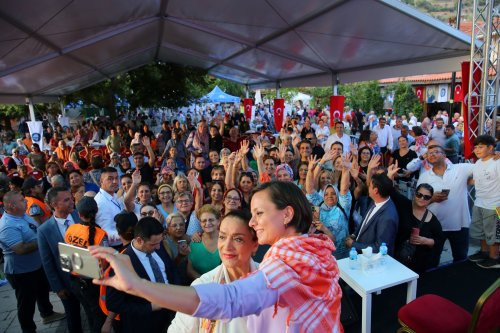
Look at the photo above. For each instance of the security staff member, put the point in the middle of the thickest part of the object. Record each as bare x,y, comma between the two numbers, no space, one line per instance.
35,206
83,235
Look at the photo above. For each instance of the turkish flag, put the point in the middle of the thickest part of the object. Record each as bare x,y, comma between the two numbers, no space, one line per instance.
279,110
457,95
419,91
470,98
247,103
336,109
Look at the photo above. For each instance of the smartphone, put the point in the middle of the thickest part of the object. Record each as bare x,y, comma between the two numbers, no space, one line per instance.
415,231
78,260
181,241
446,191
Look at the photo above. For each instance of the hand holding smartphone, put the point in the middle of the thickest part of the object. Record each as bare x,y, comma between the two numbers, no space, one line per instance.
79,261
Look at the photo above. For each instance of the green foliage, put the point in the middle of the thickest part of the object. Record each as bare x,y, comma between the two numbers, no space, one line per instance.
364,95
18,111
405,100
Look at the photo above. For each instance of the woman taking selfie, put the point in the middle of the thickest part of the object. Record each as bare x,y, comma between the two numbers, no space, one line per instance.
295,288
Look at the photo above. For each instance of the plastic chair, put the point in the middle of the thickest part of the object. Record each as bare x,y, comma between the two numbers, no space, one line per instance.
432,313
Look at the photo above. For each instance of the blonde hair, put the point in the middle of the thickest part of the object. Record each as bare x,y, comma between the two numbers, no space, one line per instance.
177,179
172,216
208,209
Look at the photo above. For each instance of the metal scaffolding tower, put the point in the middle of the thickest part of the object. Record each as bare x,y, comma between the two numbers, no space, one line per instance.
483,101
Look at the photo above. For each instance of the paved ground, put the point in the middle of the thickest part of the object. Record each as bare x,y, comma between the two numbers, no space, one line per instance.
10,324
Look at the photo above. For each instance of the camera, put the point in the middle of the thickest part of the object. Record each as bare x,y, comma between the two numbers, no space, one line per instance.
79,261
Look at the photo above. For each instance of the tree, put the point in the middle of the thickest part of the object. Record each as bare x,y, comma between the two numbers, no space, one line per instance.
364,95
405,100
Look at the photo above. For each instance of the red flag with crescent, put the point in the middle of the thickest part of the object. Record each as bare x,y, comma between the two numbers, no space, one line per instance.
472,98
247,103
279,110
419,91
336,109
457,95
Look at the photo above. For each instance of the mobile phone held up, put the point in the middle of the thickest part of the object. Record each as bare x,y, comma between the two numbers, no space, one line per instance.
79,261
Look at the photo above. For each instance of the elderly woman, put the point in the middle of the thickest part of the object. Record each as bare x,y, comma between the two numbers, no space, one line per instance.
204,255
236,244
298,278
334,206
176,241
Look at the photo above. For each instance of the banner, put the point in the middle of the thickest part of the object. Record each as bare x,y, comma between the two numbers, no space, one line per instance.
470,98
279,111
336,109
457,95
443,93
247,102
430,94
419,91
36,132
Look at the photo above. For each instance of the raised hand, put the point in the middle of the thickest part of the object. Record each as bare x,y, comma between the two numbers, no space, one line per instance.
312,162
136,177
374,162
392,170
145,141
281,152
244,147
259,151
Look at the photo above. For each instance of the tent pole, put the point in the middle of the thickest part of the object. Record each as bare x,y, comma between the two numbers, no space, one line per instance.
29,101
335,84
278,85
61,106
247,93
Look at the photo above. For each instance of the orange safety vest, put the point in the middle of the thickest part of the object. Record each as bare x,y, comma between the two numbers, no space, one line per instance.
78,235
46,210
102,294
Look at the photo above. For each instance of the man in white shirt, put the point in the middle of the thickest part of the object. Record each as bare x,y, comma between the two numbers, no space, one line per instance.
450,201
338,136
438,132
384,139
108,204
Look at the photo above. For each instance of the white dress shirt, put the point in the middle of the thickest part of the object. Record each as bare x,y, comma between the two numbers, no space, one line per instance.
61,226
109,207
147,266
345,139
384,136
453,213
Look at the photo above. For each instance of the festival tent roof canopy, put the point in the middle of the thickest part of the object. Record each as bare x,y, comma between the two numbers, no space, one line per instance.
53,47
218,96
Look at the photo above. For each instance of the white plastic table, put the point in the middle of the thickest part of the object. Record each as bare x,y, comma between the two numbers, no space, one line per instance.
366,283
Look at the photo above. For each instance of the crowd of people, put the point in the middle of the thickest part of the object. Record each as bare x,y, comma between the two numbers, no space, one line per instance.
204,197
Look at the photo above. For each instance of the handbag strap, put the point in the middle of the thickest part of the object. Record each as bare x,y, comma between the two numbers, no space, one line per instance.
423,218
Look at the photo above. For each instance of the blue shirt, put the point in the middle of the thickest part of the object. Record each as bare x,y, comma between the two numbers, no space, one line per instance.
15,230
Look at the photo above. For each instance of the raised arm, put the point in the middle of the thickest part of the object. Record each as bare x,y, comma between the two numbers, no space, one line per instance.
244,149
345,181
310,177
128,200
259,152
152,157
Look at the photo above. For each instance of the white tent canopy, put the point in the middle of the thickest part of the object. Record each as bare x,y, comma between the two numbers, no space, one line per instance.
51,48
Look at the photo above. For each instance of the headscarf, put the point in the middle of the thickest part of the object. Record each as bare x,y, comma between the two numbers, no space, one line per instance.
285,167
324,206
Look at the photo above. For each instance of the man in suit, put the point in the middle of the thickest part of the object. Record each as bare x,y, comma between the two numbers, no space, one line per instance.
380,224
151,262
49,235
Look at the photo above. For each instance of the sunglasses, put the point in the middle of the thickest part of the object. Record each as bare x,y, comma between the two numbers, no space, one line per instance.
423,196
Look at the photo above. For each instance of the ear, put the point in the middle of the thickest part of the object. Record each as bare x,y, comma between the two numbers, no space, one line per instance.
288,214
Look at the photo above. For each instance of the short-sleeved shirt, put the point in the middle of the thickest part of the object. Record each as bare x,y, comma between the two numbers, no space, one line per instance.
487,183
16,230
452,142
202,260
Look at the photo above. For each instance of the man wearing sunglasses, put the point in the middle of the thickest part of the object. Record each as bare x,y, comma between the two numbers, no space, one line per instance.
449,202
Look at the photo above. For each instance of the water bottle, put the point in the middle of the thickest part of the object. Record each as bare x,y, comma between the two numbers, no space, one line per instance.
383,251
353,258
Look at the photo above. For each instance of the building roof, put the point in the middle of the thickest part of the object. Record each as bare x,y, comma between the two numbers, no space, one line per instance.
51,48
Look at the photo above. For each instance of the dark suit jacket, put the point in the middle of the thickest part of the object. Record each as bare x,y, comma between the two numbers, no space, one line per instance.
382,227
48,236
136,314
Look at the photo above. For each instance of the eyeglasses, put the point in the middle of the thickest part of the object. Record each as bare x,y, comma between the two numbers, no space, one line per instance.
184,202
232,198
423,196
205,221
165,193
434,153
148,213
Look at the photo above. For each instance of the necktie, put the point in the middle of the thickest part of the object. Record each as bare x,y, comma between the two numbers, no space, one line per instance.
66,224
365,221
156,269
